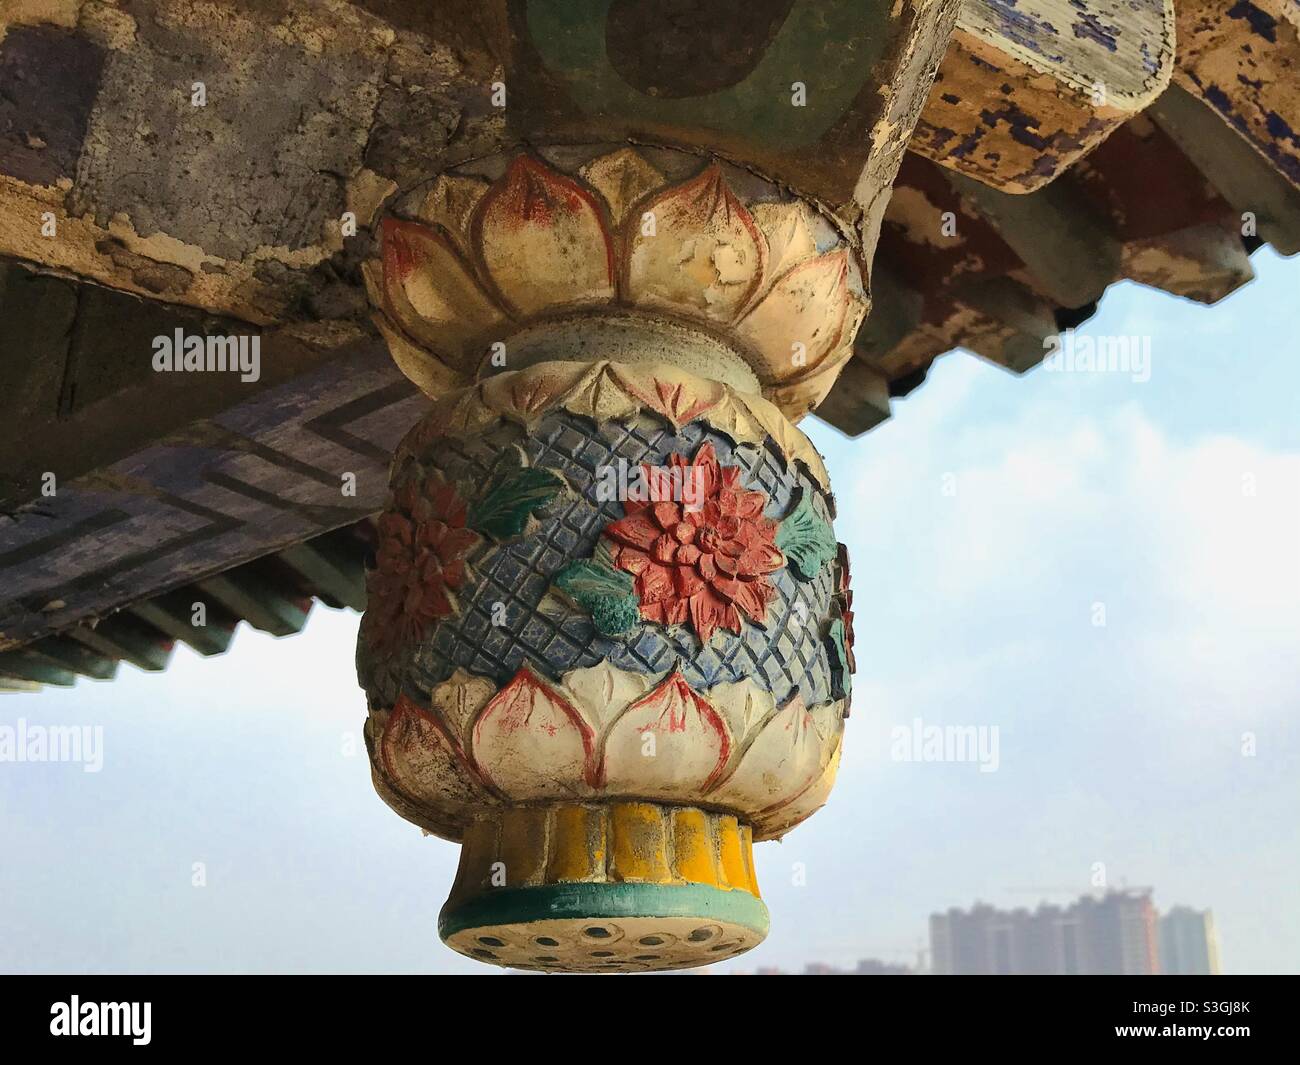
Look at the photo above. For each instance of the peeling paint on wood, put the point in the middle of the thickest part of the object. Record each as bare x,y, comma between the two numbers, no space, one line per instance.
1243,59
1030,86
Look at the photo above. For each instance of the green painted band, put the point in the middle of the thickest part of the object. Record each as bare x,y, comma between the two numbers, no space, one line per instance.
552,902
834,43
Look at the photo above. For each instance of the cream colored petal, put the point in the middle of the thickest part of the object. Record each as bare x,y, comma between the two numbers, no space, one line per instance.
532,396
450,203
670,744
797,398
828,719
706,256
460,413
543,241
530,742
677,394
788,228
424,764
803,319
776,823
604,691
430,376
780,762
459,699
744,705
598,395
430,294
623,177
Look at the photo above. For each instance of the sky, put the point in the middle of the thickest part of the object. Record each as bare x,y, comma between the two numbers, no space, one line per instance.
1101,572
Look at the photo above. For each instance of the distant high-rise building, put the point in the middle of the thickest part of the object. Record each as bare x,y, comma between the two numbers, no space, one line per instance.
1188,944
865,967
1115,933
1120,933
874,967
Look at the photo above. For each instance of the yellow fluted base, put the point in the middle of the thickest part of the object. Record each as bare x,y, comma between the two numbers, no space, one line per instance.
627,886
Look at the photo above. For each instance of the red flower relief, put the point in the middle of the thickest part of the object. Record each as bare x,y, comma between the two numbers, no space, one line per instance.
419,562
705,556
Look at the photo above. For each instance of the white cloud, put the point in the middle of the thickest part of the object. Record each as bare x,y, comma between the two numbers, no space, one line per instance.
1192,546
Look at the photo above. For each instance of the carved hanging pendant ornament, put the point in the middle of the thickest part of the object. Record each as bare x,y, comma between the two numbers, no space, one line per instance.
609,637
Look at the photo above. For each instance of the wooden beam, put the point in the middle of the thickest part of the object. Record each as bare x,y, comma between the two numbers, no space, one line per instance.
1177,233
233,201
338,576
1242,59
1201,263
895,311
151,494
1249,182
1010,323
262,606
1068,247
1028,88
151,187
173,614
122,638
858,402
77,657
28,666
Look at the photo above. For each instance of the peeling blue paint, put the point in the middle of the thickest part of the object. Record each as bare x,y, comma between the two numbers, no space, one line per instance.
977,61
1026,30
1279,129
1089,27
969,143
1020,125
1149,62
1044,166
1261,22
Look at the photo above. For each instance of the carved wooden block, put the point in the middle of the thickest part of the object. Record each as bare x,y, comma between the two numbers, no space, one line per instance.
1243,59
1028,88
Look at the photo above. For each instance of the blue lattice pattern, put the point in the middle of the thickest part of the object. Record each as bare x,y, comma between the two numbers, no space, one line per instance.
510,616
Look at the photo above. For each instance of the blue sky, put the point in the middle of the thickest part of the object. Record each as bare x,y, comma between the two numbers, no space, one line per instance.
1174,503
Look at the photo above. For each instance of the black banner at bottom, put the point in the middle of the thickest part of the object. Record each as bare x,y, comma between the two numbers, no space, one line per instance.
336,1014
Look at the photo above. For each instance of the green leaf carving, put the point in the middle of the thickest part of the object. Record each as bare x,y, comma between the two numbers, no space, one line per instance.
841,675
806,538
603,592
513,493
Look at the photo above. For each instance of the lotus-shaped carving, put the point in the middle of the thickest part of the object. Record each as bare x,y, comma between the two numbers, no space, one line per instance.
604,734
480,261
